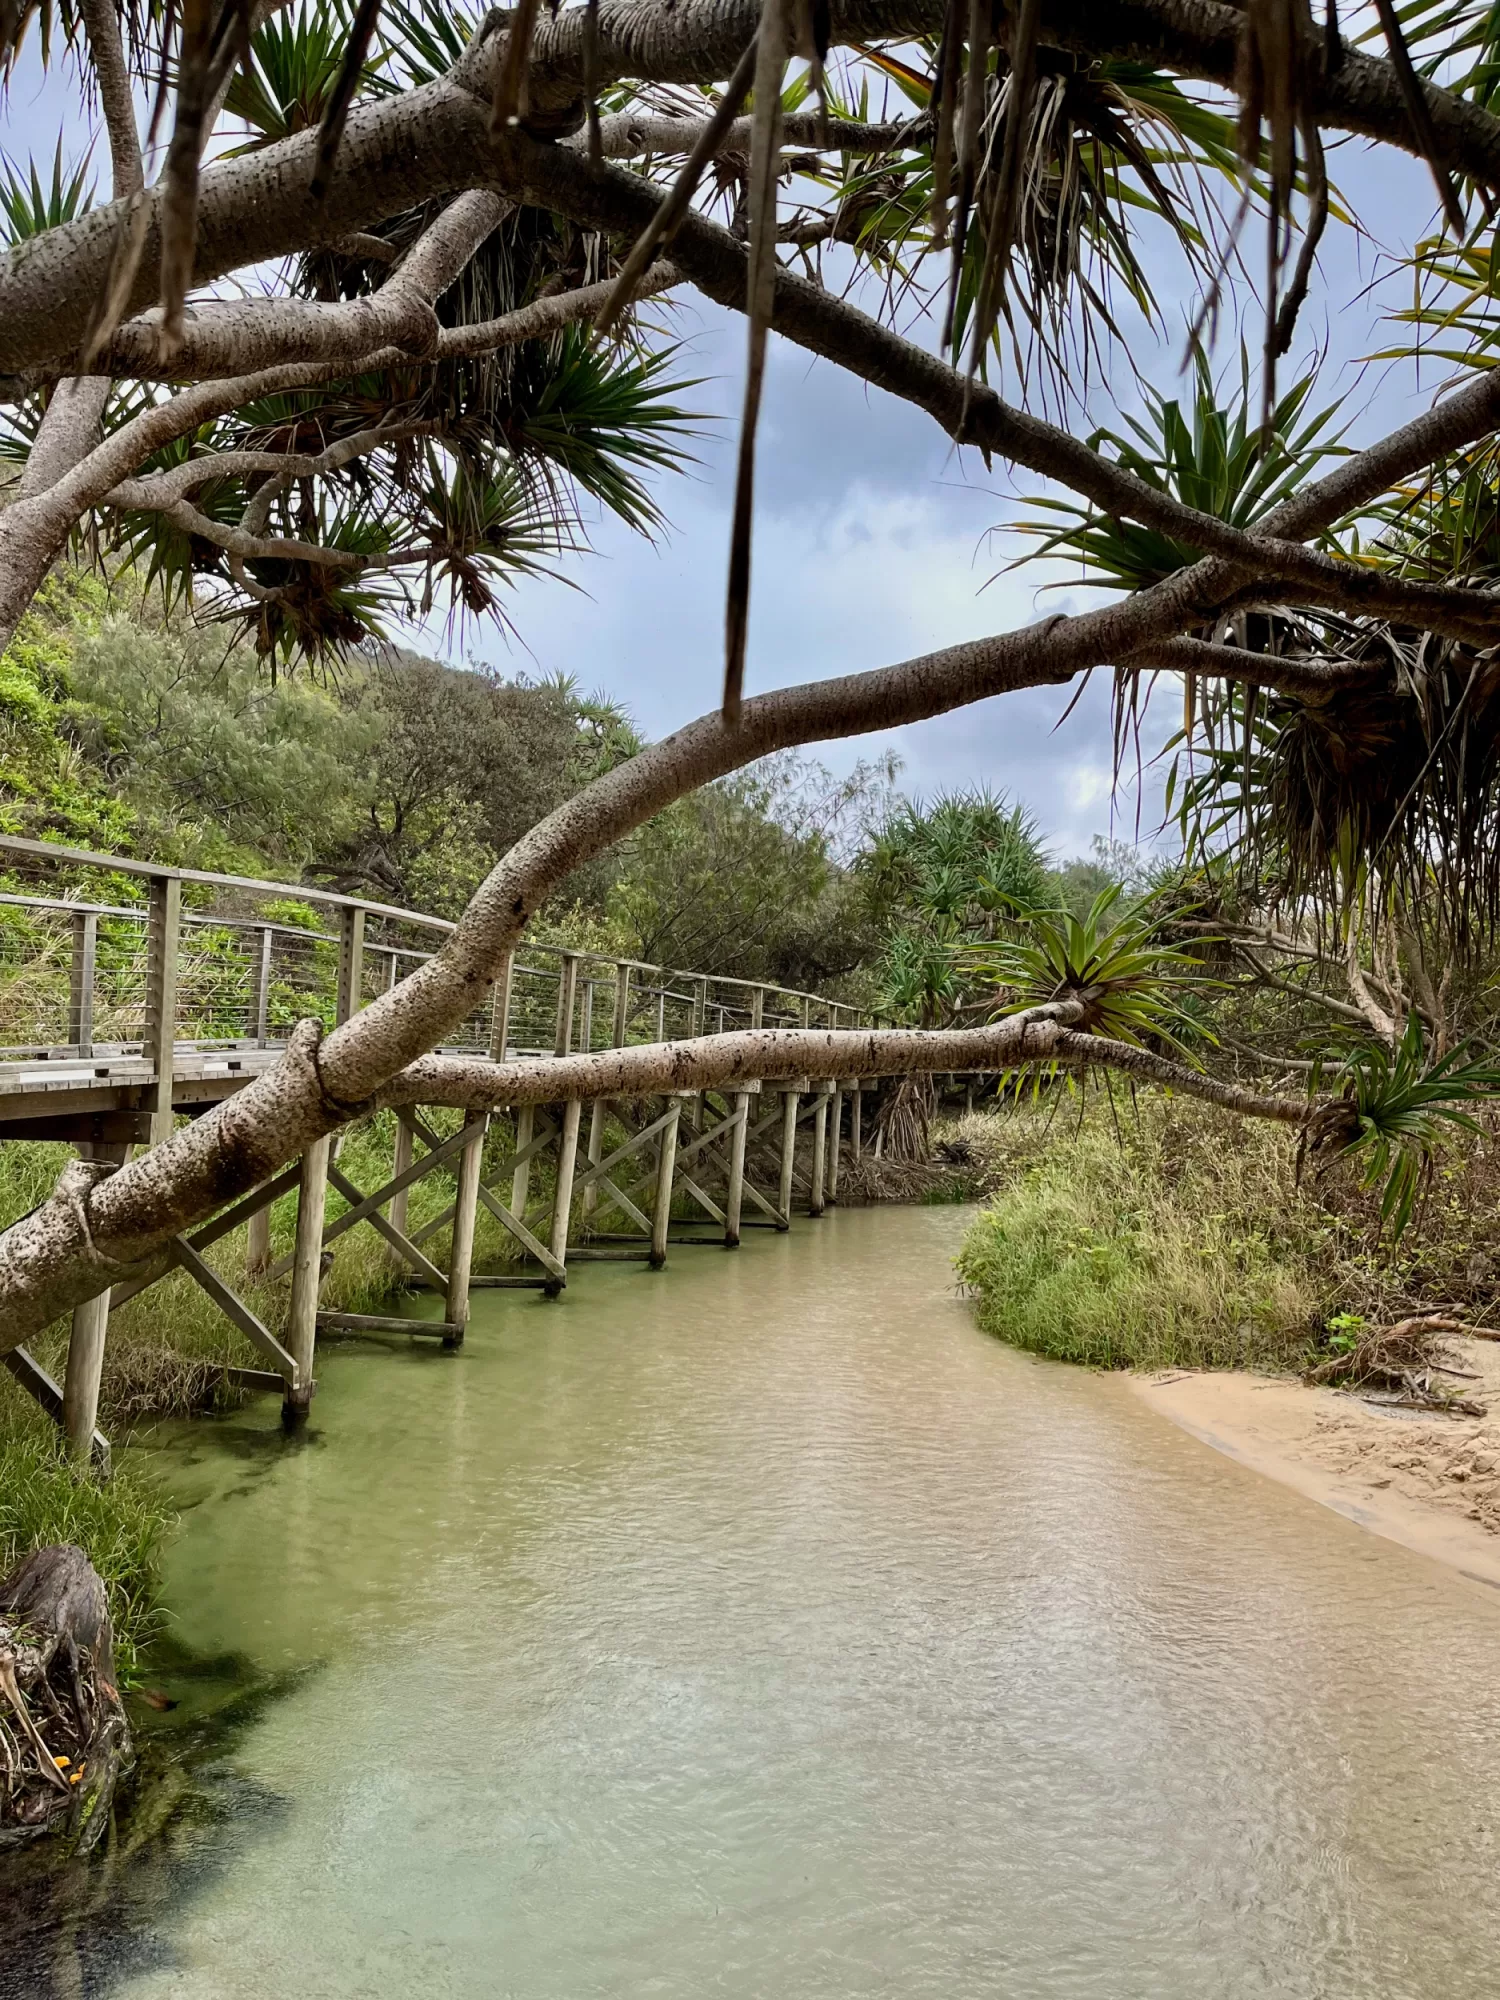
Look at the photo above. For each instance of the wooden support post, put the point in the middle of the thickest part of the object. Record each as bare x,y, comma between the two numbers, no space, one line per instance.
819,1154
351,988
562,1204
734,1199
258,1242
159,1038
500,1008
661,1213
856,1117
307,1275
86,1347
81,1383
400,1161
461,1256
520,1182
81,982
598,1112
835,1145
789,1099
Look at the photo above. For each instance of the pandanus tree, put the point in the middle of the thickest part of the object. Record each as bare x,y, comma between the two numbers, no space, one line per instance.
365,314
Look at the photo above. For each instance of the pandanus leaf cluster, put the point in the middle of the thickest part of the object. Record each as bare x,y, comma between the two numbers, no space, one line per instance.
1395,1106
1133,983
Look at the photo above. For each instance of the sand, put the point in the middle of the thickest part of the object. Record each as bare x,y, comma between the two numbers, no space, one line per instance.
1429,1481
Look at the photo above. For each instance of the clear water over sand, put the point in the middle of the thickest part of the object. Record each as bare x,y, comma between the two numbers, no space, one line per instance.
760,1628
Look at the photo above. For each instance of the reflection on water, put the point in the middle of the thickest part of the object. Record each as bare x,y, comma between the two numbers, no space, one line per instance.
759,1628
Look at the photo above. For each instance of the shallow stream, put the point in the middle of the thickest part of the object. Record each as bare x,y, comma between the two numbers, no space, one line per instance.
760,1628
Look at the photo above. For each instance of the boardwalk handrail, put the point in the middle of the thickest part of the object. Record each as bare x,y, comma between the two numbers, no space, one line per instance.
244,991
165,1010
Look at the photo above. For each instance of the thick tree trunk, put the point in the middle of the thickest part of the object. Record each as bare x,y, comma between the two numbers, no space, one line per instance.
64,1738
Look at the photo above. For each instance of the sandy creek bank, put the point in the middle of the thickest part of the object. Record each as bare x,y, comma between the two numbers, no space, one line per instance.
1428,1481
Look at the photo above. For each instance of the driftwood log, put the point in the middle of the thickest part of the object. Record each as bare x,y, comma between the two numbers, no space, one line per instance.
64,1738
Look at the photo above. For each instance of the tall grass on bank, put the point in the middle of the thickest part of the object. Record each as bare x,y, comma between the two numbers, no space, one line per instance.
121,1527
1167,1235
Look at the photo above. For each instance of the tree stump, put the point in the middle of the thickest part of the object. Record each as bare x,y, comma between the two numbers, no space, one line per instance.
64,1738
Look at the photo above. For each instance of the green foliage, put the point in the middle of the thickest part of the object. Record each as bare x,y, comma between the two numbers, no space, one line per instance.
1395,1106
294,59
745,876
1129,980
1166,1239
29,205
1211,456
939,877
1112,148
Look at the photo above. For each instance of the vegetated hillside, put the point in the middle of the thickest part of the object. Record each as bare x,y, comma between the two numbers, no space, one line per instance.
404,779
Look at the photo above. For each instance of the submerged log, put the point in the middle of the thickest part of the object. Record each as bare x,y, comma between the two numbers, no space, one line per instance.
64,1738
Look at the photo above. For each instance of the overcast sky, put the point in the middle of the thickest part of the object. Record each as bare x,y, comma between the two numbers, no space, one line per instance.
873,534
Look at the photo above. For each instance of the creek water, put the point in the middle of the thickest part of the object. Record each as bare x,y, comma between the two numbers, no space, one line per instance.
761,1628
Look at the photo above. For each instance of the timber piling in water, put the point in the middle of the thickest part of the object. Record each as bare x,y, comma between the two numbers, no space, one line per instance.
120,1065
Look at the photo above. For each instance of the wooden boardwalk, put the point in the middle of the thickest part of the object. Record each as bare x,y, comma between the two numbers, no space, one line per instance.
132,995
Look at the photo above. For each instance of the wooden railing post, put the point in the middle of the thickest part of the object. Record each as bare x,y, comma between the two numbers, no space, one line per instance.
567,999
622,1005
598,1111
500,1008
666,1169
351,987
465,1213
159,1037
260,986
401,1156
835,1143
307,1275
81,982
258,1242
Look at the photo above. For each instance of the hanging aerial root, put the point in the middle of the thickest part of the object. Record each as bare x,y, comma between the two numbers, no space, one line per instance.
336,111
179,202
510,101
1003,222
765,164
664,223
